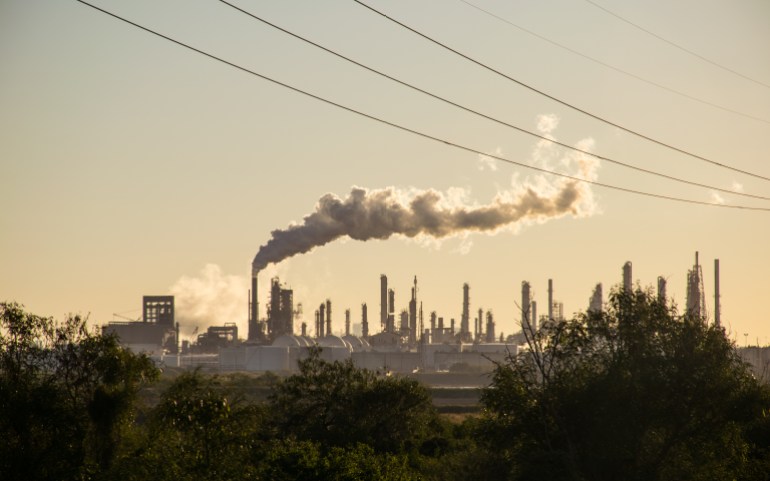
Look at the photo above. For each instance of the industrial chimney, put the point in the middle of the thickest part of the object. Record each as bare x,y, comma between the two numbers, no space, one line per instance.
254,309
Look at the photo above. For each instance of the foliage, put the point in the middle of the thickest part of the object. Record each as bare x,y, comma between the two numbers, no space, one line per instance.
66,396
197,431
341,405
636,392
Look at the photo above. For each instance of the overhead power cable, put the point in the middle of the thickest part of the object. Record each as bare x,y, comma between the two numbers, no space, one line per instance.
488,117
562,102
616,69
675,45
416,132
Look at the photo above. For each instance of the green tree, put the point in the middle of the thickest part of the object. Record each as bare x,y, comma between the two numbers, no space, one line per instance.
66,396
338,404
636,392
198,430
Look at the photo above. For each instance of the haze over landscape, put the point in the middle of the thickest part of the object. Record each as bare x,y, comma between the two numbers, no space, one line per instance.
131,165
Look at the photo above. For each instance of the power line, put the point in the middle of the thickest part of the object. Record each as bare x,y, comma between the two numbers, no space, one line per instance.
562,102
694,54
416,132
617,69
488,117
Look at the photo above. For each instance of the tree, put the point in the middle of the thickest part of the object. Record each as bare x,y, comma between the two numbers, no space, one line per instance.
635,392
337,404
66,396
198,430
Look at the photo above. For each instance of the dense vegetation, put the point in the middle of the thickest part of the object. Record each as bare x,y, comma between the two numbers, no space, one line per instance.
635,392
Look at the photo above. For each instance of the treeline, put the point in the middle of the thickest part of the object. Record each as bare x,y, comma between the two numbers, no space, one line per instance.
637,392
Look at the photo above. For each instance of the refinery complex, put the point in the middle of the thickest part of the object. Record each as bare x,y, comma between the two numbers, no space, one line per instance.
406,340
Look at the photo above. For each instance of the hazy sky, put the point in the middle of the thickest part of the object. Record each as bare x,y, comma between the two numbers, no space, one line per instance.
131,166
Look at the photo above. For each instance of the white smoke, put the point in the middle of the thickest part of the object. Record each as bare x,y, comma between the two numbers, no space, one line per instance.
210,298
716,198
367,214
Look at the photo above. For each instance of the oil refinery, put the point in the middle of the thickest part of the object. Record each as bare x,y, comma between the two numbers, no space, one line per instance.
414,340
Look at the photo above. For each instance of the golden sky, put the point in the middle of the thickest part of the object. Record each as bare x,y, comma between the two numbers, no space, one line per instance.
131,166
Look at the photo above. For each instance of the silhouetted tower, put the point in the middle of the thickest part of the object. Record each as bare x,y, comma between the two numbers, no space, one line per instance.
628,281
317,323
413,315
304,329
391,323
550,299
347,322
662,290
433,324
321,320
526,301
533,313
596,301
364,321
465,319
403,323
328,317
479,325
422,327
490,327
253,333
696,298
280,311
384,302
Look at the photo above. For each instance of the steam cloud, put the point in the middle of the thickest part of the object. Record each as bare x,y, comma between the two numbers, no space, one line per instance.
211,298
379,214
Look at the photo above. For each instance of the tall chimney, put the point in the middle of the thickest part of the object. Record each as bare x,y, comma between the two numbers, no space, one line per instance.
526,301
328,317
717,304
364,321
347,322
383,302
662,290
254,314
550,299
321,319
628,282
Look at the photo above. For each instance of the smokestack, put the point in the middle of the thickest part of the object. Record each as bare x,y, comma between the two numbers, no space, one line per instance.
383,302
328,317
391,325
347,322
550,299
465,319
533,311
254,314
321,319
662,296
364,321
525,306
628,282
717,304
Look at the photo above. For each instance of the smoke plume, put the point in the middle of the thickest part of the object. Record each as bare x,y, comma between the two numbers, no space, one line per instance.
211,298
379,214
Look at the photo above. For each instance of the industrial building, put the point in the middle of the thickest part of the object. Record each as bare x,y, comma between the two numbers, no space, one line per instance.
156,333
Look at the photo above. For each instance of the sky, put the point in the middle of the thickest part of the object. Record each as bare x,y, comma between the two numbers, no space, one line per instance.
131,166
